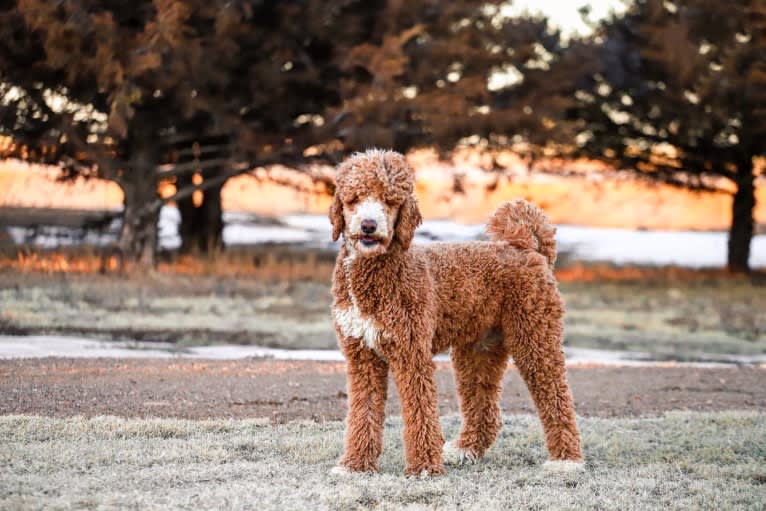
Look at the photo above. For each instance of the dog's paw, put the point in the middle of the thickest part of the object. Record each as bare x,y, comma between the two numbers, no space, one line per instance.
425,472
563,467
454,455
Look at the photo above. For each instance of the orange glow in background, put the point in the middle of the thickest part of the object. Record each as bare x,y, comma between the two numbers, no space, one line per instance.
587,197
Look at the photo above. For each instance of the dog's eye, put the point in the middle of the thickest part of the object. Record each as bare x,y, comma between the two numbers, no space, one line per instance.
352,200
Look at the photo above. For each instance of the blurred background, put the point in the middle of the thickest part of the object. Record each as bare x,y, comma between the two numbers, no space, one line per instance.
167,166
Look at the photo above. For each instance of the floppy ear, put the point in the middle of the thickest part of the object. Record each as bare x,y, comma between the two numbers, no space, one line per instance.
408,220
336,217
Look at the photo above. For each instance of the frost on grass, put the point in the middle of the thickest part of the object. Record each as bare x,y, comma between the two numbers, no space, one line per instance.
680,460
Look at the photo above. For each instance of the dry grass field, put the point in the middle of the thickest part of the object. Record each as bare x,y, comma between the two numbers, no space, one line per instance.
689,316
681,460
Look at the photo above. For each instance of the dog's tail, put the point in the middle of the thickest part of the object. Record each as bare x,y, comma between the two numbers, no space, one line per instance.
525,226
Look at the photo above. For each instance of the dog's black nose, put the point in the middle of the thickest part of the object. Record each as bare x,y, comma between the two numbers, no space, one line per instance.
369,226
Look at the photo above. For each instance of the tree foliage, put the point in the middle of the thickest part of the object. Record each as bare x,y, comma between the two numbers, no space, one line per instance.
95,85
101,83
681,98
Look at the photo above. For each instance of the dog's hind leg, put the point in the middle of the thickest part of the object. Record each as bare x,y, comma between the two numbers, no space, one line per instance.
479,370
367,389
534,329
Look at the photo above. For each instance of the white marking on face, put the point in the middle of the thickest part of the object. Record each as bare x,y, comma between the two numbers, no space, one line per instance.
370,209
351,321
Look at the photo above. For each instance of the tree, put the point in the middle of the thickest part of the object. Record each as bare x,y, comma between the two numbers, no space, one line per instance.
104,81
436,74
681,98
107,83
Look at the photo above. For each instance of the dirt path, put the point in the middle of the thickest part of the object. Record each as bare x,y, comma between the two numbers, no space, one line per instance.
289,390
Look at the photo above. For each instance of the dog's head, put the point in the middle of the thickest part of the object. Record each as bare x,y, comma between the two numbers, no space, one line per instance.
374,207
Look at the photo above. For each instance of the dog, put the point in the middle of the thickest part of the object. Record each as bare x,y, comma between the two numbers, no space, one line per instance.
396,305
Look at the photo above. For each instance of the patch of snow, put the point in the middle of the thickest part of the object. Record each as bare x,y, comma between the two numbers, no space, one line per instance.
618,246
654,248
228,352
319,224
252,234
168,224
594,244
40,346
445,230
18,234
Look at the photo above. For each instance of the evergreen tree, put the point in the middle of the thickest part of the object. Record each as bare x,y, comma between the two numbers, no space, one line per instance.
108,83
95,85
681,98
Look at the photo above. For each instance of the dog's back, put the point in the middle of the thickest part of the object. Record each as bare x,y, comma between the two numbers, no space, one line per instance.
474,281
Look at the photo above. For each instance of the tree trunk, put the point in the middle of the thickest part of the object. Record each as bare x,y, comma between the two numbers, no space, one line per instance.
189,217
741,232
201,226
211,212
139,235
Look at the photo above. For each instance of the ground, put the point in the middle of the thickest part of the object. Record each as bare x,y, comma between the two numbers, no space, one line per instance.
282,391
263,434
681,460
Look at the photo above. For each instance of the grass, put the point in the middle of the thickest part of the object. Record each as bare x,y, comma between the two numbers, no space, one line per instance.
678,315
184,309
265,262
680,460
684,319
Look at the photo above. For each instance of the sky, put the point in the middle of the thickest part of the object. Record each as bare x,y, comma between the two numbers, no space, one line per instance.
564,14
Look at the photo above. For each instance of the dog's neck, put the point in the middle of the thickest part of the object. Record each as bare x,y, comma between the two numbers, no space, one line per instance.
367,268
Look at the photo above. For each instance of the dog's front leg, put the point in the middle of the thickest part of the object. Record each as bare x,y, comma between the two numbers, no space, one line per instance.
367,388
413,370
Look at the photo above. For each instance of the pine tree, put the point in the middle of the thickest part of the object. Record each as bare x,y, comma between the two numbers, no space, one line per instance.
105,84
681,98
95,85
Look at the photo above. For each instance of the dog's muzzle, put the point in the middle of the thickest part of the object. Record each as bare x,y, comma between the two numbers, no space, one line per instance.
369,224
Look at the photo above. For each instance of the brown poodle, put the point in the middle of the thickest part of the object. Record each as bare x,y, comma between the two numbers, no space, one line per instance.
395,306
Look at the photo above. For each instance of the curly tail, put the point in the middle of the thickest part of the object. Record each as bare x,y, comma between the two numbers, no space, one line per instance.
524,226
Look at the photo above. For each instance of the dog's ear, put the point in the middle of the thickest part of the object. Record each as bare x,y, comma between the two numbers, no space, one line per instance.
336,216
408,220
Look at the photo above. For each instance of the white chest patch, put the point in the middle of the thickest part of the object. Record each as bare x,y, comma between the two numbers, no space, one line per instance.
353,324
351,321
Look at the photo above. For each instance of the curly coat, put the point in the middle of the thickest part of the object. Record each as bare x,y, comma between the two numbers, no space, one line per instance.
397,305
